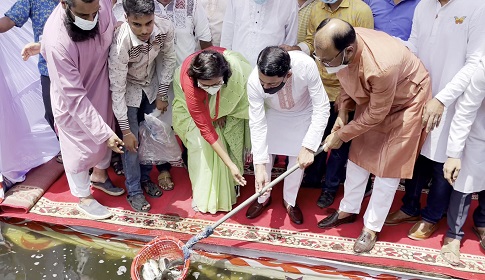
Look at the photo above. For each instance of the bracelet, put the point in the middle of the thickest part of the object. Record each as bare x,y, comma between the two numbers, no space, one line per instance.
127,134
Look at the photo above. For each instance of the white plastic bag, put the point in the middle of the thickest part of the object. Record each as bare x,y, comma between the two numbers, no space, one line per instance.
157,141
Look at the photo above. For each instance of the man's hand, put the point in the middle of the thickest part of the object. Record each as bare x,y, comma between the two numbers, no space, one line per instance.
29,50
341,121
162,105
261,177
451,169
115,143
332,141
433,110
131,144
238,177
220,122
290,48
305,157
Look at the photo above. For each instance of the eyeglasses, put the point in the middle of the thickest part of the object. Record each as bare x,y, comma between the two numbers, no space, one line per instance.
202,86
329,62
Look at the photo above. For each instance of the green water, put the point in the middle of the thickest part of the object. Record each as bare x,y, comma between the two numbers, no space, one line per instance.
19,259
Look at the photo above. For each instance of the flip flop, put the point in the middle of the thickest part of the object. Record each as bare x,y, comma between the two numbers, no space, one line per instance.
480,237
139,203
151,189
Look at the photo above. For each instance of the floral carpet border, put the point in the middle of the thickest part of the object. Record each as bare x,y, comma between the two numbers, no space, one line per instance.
270,236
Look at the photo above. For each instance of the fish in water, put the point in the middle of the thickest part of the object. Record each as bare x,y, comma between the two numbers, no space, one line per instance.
147,272
163,269
173,270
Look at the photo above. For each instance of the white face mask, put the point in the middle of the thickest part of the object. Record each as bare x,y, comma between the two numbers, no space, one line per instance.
329,1
260,2
335,69
212,90
85,24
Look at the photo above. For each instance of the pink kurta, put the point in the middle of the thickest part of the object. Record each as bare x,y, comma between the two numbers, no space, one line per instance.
388,87
81,100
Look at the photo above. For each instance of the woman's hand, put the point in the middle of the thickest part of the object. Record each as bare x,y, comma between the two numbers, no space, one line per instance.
238,177
220,122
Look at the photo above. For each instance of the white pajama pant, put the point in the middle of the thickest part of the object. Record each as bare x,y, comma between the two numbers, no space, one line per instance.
380,201
291,184
80,183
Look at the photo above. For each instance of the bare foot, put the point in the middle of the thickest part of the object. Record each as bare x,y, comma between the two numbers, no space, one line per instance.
342,214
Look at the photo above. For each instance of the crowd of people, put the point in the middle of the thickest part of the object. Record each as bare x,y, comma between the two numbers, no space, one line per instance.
393,88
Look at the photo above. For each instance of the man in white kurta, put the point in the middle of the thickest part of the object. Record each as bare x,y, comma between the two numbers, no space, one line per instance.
465,165
288,113
192,30
77,60
448,37
215,9
251,25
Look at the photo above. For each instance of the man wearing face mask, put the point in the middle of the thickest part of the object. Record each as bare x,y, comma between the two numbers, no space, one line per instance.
288,112
387,86
76,41
358,14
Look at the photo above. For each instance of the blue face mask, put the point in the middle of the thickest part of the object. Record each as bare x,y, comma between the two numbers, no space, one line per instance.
329,1
260,2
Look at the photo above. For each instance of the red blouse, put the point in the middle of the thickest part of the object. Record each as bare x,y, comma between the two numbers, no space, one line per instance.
198,101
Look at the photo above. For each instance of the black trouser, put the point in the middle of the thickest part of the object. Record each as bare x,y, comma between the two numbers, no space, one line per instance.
45,82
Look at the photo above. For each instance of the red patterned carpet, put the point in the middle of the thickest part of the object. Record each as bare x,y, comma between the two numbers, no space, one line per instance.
172,215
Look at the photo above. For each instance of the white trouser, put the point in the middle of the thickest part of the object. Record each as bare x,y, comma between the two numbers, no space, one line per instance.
380,201
80,183
291,184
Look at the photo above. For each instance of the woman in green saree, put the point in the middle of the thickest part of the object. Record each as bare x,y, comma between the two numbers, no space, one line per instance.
210,115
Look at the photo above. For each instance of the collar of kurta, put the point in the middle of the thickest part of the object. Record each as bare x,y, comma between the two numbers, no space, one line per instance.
135,41
344,4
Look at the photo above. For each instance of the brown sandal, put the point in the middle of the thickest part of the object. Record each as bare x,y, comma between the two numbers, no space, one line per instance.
165,181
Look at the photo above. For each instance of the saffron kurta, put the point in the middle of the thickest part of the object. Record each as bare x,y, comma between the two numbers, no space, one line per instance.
388,87
467,135
80,96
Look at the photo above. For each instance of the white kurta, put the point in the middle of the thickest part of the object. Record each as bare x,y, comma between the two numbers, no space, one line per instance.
191,25
215,10
467,135
249,27
294,117
448,40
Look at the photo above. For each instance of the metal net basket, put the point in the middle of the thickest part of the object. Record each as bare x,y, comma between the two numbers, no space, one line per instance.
164,246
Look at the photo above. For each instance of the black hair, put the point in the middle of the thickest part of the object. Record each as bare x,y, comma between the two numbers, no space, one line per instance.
341,39
274,61
139,7
71,3
209,64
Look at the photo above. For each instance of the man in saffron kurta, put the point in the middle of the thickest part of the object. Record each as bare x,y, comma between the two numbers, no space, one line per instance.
75,45
387,86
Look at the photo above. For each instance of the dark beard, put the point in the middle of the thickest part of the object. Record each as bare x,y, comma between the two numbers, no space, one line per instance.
76,33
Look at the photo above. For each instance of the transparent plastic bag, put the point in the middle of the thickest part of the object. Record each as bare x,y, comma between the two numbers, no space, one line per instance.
157,141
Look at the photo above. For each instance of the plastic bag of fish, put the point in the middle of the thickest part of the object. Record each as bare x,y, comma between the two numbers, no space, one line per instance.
162,269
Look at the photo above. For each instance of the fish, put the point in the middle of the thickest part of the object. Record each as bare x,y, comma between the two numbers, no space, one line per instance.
147,272
154,265
173,270
163,264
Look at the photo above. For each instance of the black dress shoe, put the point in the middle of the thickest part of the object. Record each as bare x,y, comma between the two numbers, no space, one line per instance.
294,213
326,199
333,220
256,208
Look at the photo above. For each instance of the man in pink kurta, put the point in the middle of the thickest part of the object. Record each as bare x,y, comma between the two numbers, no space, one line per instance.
76,41
387,86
